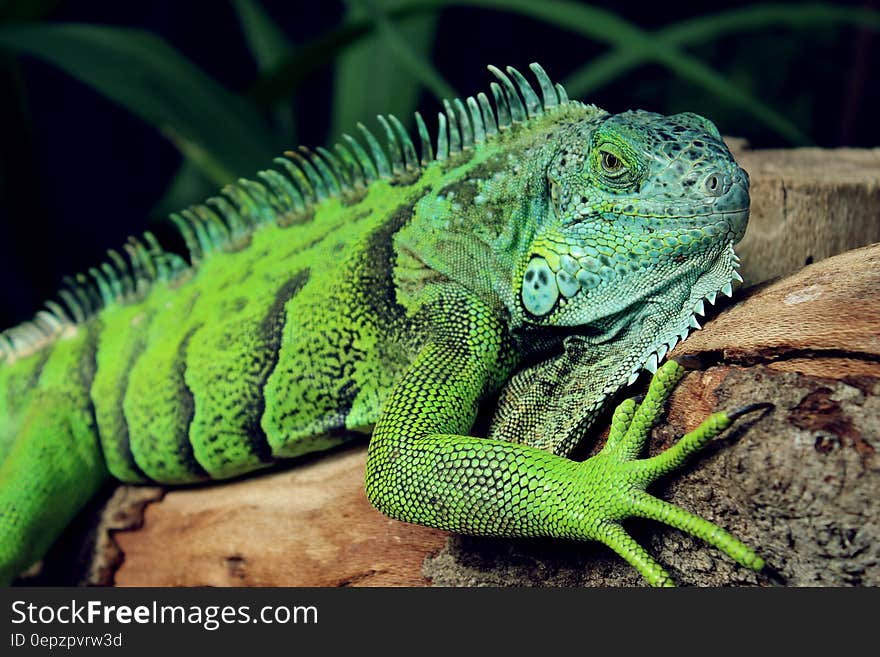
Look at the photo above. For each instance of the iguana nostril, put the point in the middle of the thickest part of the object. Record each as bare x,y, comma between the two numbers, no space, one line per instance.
714,184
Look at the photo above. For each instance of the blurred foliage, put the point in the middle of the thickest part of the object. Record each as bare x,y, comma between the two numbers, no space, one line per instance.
735,62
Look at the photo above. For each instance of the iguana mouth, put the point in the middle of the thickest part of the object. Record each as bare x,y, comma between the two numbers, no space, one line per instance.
678,215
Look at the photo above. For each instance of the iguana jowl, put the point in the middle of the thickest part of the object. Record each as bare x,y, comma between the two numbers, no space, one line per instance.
367,290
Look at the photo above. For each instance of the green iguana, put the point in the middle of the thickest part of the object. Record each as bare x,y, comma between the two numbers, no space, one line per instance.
372,290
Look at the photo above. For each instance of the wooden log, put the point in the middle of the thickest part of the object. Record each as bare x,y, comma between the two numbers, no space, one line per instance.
807,204
307,526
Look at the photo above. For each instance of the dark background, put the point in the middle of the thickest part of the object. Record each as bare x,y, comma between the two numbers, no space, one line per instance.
78,172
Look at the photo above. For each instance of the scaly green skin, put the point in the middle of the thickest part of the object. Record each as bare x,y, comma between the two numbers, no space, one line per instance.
362,292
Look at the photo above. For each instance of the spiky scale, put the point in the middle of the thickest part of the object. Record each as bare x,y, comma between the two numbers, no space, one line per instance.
107,281
442,139
395,153
283,193
533,103
424,140
148,264
343,166
301,183
103,285
354,172
501,106
122,270
73,300
251,202
464,120
409,152
315,180
328,169
488,114
454,131
563,96
517,111
476,120
155,251
367,165
205,232
235,226
383,168
55,308
48,321
661,352
203,237
189,237
548,91
239,201
139,277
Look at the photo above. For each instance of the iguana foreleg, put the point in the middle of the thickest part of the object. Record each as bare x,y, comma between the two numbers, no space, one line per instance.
421,468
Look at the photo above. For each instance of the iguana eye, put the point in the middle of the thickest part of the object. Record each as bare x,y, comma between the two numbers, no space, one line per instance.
611,163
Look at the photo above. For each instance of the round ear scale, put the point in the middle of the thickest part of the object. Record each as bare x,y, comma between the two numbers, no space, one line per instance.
539,290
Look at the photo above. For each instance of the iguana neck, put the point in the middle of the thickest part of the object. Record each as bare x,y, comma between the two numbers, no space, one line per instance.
475,226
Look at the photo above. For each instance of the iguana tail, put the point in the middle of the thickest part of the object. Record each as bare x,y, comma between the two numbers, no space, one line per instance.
50,457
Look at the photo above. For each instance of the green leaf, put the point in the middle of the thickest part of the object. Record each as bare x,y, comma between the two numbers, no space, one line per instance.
370,78
148,77
268,45
25,10
406,54
697,30
606,27
265,40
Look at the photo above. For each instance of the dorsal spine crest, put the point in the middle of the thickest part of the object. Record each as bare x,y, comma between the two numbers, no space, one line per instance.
303,179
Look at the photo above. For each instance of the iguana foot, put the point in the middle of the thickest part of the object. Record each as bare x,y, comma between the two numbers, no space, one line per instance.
617,480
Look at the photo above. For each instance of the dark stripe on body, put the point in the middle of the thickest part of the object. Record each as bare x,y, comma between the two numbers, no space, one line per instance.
375,289
19,391
124,437
327,366
271,330
88,370
187,401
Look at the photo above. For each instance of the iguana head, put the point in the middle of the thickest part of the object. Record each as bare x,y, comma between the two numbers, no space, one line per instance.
641,210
